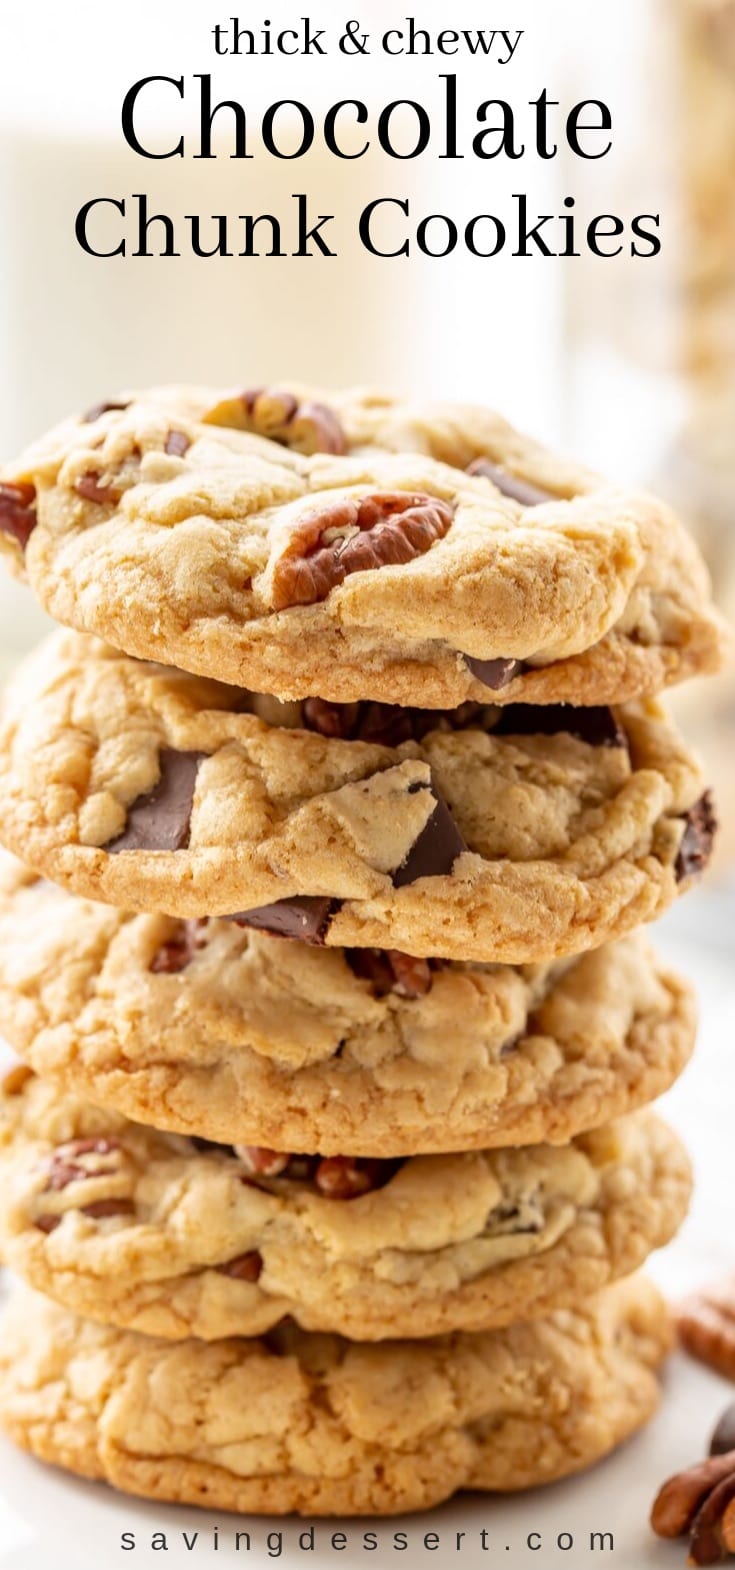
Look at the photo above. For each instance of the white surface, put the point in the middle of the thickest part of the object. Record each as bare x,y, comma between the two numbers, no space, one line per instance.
51,1522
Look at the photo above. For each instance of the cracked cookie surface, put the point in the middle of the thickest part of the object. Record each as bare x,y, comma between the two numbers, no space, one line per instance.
297,1422
168,522
171,1237
509,835
325,1049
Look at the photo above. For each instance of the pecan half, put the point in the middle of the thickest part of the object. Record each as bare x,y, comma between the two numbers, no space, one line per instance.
699,1501
18,511
706,1325
272,412
354,535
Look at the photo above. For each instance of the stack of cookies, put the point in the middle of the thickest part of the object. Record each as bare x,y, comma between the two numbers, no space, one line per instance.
329,1161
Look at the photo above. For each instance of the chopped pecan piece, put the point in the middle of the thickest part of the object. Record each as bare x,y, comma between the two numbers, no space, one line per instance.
246,1267
100,1208
178,952
383,724
329,543
18,511
389,970
272,412
337,1177
346,1177
706,1325
261,1161
698,838
80,1159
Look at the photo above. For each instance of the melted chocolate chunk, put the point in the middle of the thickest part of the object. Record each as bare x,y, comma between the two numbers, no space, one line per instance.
160,819
18,512
699,834
303,916
435,851
598,727
723,1438
494,674
511,484
98,409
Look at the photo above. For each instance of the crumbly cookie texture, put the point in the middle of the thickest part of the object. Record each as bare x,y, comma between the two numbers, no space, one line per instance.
300,543
160,1234
499,836
297,1422
340,1051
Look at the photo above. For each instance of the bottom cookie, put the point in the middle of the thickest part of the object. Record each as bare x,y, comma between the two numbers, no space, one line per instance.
312,1424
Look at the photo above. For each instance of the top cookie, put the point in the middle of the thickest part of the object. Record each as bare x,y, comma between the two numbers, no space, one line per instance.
341,548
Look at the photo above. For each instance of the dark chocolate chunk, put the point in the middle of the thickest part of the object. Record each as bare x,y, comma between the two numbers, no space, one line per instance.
698,838
494,674
99,409
247,1267
303,916
435,851
511,484
18,511
597,727
723,1438
160,819
177,444
383,724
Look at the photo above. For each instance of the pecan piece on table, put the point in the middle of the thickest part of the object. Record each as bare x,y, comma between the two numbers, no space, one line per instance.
354,535
18,511
700,1502
706,1325
308,427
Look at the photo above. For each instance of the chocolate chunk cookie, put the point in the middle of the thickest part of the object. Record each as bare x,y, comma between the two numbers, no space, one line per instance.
488,834
317,1425
354,546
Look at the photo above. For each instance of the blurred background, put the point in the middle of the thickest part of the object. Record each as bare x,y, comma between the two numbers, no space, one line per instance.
630,364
